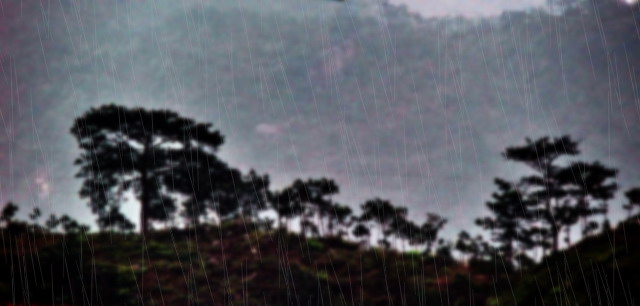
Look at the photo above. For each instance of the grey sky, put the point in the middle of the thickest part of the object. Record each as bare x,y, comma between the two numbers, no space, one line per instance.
386,107
469,8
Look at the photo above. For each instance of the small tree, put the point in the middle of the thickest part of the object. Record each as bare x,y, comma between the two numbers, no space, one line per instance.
35,214
384,214
430,229
52,223
362,233
71,226
306,199
8,213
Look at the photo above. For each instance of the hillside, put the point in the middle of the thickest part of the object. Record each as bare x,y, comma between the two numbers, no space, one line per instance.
230,265
599,270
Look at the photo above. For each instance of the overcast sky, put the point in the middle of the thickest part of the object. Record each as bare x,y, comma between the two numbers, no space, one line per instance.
283,105
469,8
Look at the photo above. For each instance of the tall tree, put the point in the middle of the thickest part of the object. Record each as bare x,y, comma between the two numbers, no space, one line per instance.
134,149
545,187
561,194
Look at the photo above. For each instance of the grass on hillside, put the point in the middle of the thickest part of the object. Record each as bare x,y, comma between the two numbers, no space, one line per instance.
230,265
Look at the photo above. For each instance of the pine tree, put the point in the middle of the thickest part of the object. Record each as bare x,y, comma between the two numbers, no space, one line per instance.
136,149
561,195
544,186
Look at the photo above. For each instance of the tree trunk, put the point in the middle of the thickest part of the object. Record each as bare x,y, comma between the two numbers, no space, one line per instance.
145,189
279,222
555,233
554,227
144,203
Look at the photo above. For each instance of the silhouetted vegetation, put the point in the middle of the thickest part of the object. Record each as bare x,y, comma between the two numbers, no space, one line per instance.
233,245
227,264
320,251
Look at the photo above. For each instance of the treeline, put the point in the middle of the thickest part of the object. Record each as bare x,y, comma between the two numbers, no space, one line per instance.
161,156
169,164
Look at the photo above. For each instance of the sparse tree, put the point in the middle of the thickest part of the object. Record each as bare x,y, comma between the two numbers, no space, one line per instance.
554,207
383,213
316,198
430,229
35,214
52,223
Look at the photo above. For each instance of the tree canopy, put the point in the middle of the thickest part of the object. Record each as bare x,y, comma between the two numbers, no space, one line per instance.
136,149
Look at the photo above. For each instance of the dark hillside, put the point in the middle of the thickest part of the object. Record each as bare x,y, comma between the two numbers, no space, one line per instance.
271,268
226,265
600,270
